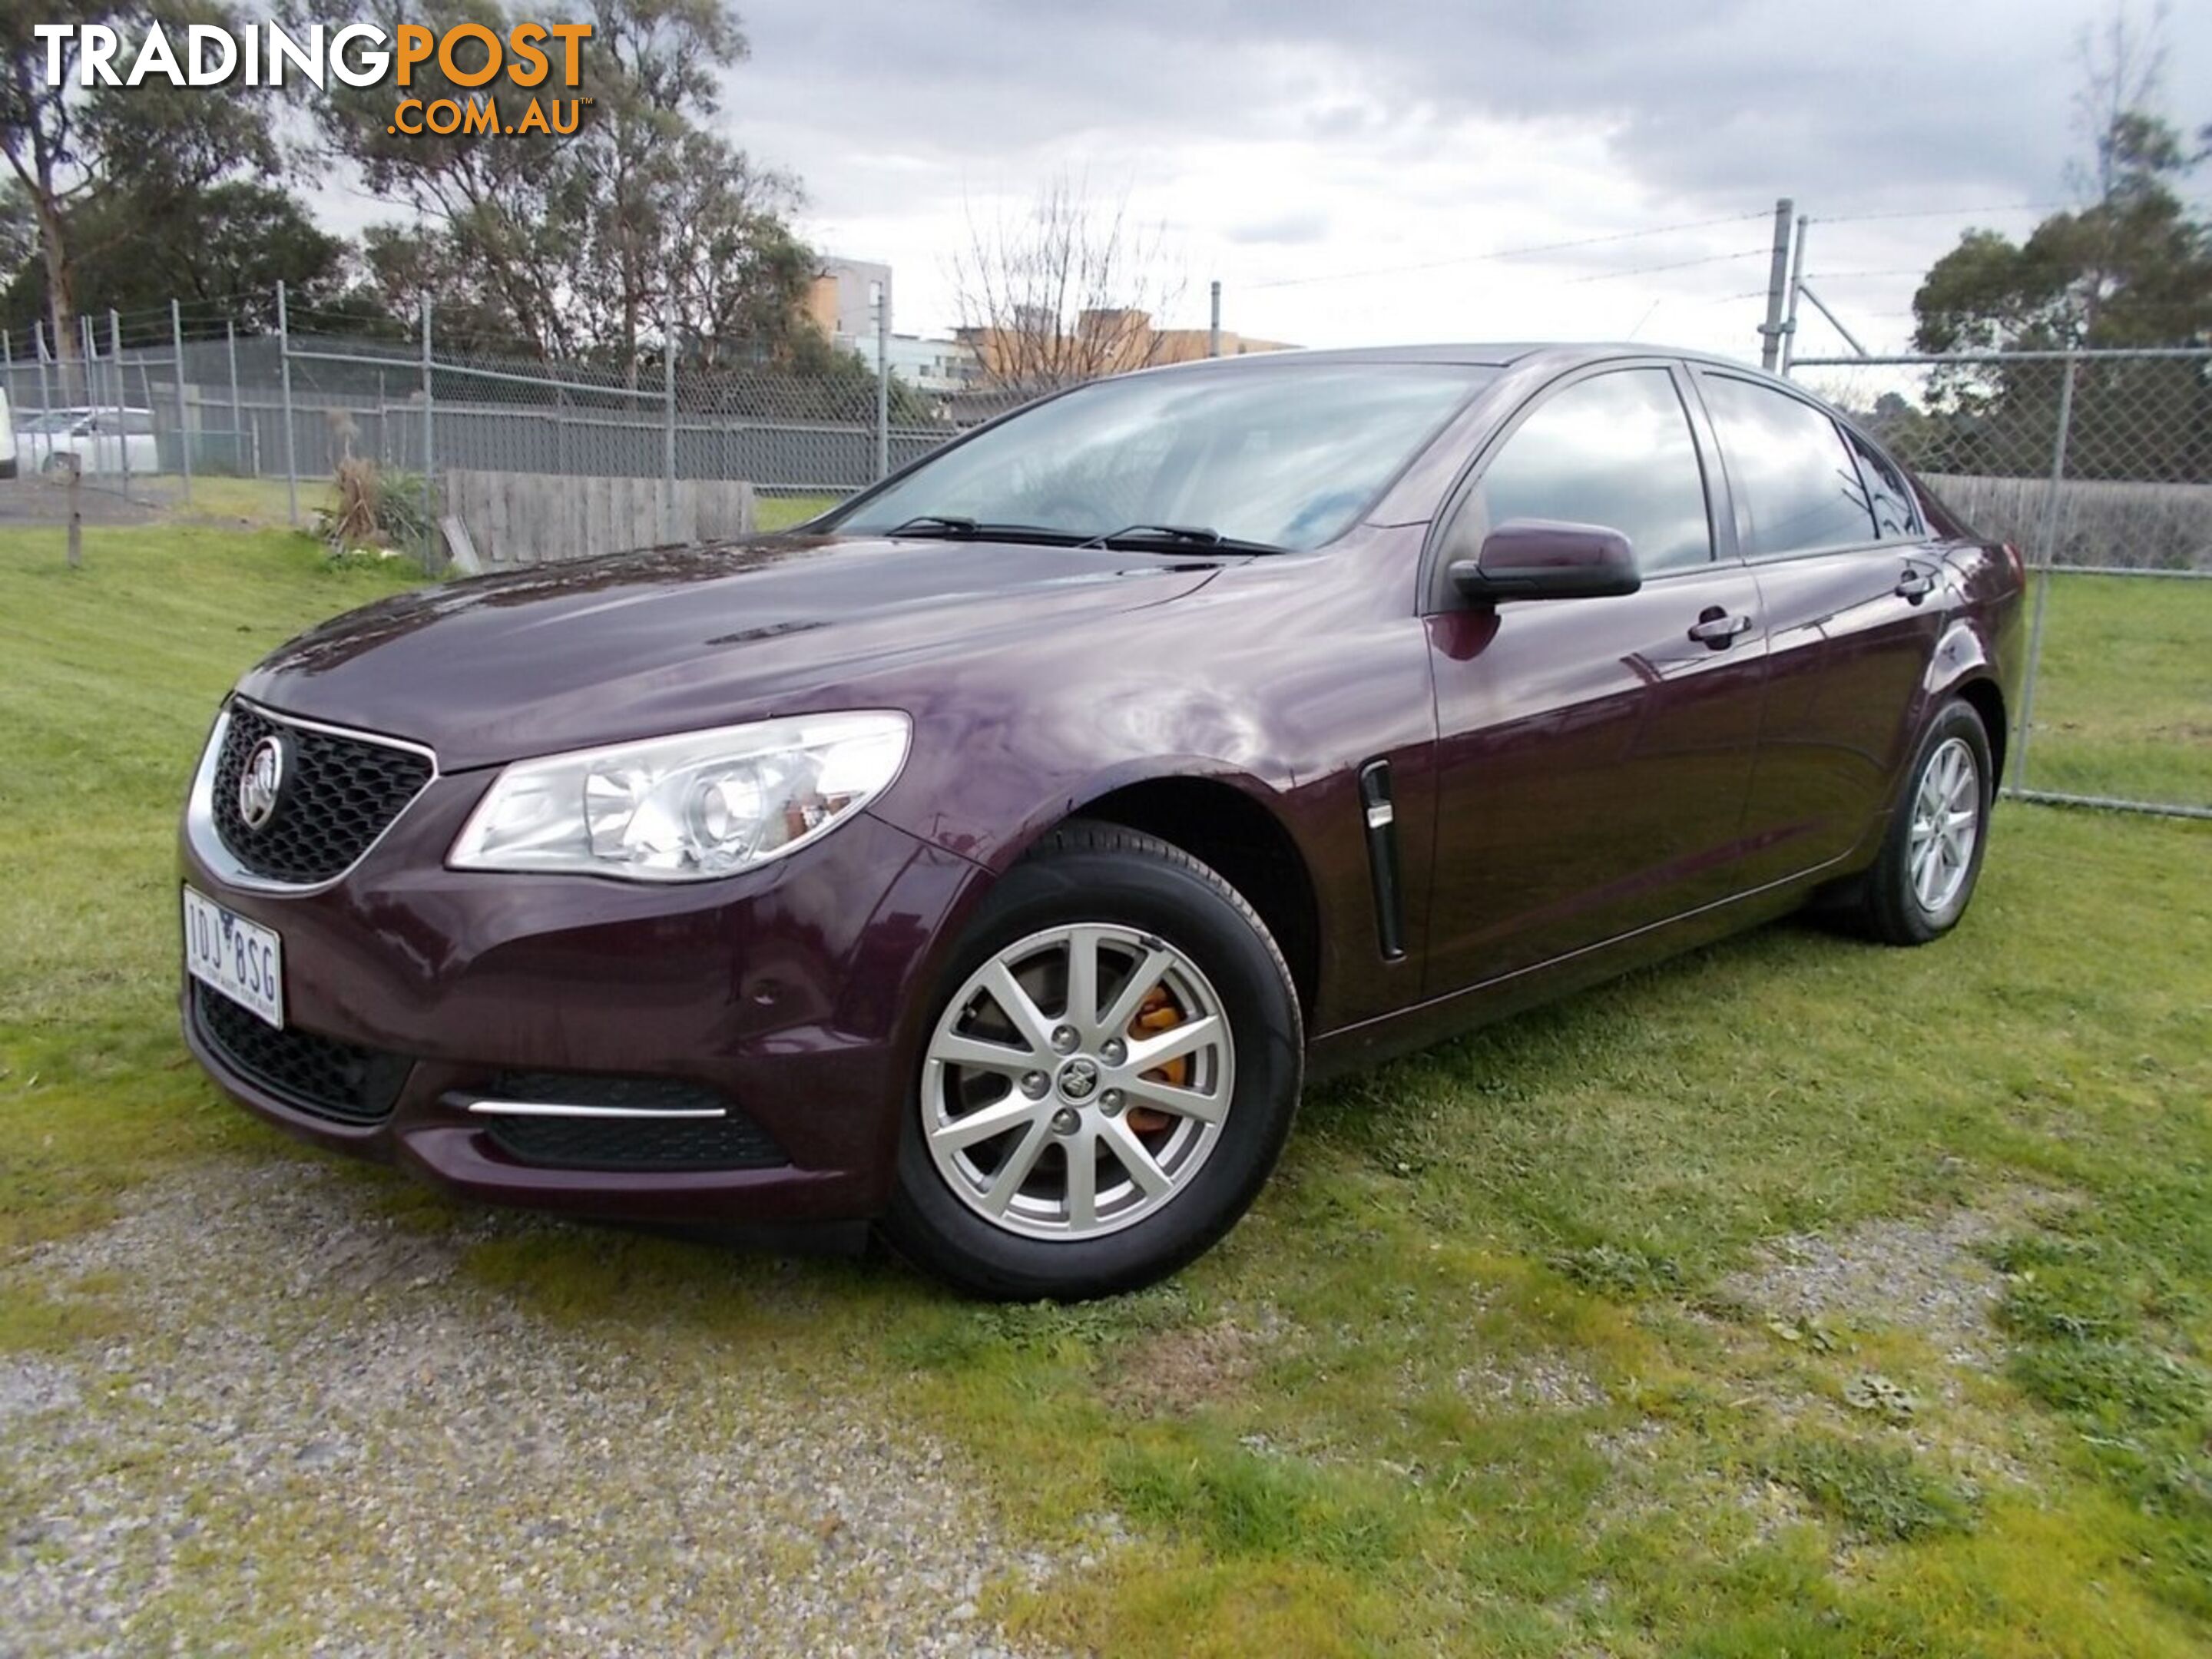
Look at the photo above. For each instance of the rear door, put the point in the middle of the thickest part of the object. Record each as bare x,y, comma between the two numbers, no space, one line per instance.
1854,606
1593,755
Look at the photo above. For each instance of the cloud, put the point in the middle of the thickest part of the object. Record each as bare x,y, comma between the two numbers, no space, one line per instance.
1297,224
1287,147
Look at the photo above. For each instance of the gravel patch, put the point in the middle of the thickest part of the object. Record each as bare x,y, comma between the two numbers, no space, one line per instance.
1548,1382
1918,1273
314,1436
31,1388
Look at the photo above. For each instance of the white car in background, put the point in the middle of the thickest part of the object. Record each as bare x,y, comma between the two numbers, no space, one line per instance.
88,440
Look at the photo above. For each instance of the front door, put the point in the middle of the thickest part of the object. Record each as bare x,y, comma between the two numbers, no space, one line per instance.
1593,755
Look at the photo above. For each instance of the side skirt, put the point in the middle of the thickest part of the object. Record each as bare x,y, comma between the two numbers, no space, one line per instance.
1456,1012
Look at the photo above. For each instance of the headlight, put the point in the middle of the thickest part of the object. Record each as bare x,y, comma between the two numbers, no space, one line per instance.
684,808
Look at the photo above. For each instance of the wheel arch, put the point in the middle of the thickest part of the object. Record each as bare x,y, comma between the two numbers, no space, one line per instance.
1227,822
1987,697
1963,666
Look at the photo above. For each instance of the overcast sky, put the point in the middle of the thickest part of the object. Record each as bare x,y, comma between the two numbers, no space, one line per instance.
1283,144
1340,165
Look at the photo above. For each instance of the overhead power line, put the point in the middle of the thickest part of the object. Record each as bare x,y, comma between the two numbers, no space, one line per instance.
1676,265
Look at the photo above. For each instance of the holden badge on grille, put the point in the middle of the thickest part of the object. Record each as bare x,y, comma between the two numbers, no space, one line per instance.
261,782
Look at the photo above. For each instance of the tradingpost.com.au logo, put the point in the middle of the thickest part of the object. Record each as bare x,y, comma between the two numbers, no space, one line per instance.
468,55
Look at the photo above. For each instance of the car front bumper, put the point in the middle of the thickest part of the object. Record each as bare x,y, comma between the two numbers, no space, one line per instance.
792,994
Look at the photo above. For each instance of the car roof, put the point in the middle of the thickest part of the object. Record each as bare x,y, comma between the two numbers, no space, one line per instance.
1565,353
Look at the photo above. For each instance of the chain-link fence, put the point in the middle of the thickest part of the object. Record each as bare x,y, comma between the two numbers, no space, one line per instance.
2097,465
286,393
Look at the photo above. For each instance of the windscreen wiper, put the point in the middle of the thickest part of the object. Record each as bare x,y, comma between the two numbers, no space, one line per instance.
953,526
1178,535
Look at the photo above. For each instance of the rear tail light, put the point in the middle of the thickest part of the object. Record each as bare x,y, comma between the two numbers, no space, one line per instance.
2018,565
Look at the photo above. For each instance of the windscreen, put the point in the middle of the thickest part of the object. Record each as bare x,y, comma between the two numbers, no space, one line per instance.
1286,455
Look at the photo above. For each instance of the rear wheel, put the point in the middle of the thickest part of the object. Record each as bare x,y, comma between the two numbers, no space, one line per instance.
1110,1072
1931,856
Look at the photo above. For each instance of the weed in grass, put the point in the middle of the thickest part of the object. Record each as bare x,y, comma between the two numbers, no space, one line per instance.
1234,1499
1623,1270
961,1332
1881,1491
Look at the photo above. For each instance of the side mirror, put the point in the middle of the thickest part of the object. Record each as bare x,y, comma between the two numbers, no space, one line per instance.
1540,559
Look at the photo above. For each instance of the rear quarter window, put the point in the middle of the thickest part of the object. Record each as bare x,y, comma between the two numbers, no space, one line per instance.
1797,485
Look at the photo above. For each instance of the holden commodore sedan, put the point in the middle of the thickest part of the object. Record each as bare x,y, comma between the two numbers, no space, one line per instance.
991,860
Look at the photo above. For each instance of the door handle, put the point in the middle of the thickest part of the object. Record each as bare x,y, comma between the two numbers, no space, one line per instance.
1718,628
1916,584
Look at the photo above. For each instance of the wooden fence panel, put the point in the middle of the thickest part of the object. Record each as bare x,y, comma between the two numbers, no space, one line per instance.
516,519
2156,526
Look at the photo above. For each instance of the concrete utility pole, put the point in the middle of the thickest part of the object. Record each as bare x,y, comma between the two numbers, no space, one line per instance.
1213,335
1777,282
1796,287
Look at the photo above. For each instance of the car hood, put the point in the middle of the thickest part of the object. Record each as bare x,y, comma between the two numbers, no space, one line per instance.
494,668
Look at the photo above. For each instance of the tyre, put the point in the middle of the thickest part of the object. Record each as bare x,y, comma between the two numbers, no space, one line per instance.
1931,855
1109,1074
60,465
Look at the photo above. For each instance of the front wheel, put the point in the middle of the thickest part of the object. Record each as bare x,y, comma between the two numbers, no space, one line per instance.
1931,856
1109,1073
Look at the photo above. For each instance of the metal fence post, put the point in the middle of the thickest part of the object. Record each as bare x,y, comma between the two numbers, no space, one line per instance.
284,374
237,415
429,447
177,363
667,428
1213,329
2046,555
884,377
122,421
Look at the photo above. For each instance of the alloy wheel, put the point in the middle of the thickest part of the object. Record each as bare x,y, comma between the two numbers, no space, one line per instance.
1078,1081
1947,822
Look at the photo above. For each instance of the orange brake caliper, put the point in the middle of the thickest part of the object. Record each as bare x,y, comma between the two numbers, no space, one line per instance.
1158,1013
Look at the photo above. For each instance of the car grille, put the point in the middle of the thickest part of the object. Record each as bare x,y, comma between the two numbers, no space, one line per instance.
339,793
317,1075
733,1141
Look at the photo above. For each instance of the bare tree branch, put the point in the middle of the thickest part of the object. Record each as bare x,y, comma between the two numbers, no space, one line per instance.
1067,291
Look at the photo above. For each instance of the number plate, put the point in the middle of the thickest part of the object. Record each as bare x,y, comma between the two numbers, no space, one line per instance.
242,959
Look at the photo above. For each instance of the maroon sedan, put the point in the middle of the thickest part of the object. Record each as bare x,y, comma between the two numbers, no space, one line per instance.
992,859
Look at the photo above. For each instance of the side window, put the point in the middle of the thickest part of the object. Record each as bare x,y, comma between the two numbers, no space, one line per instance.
1794,484
1614,450
1887,492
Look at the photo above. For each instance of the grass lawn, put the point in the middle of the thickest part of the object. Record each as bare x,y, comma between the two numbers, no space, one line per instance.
2123,704
1509,1358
